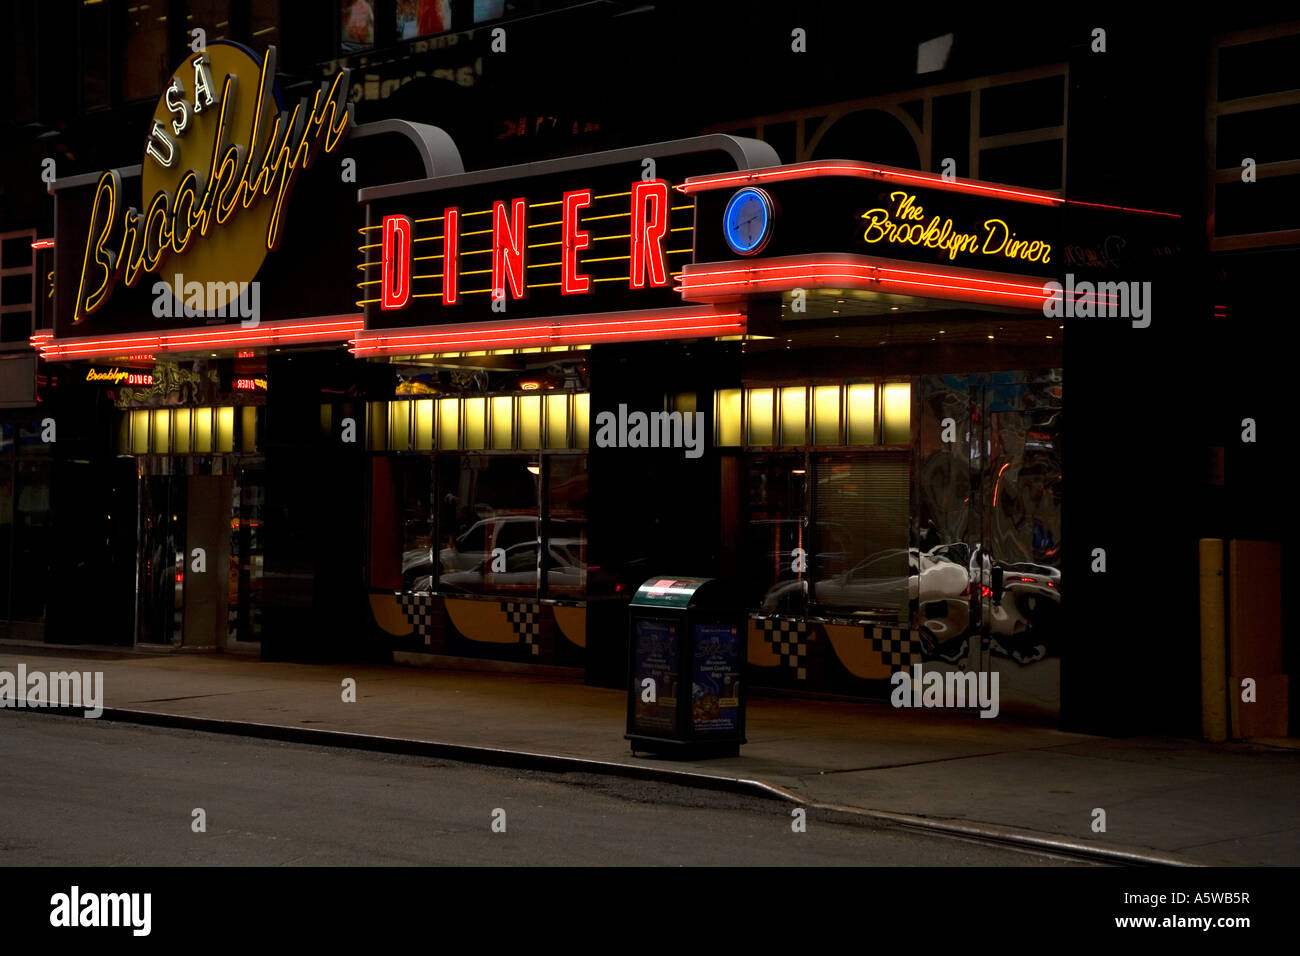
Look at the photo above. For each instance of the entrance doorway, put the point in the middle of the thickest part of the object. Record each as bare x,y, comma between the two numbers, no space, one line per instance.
199,555
247,541
988,495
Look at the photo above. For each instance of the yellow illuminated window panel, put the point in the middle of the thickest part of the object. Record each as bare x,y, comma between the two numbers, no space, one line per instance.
399,426
424,424
794,411
897,413
140,432
503,421
377,427
181,441
760,416
161,431
861,415
202,419
475,422
728,417
226,428
581,419
448,423
826,415
248,429
557,421
530,421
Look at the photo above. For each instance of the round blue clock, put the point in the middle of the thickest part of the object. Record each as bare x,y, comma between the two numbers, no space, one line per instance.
747,221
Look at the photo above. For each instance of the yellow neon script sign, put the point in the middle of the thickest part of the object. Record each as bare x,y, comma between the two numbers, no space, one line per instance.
265,163
114,375
905,224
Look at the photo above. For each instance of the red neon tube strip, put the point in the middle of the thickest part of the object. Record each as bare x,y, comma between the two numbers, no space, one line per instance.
703,321
859,170
333,329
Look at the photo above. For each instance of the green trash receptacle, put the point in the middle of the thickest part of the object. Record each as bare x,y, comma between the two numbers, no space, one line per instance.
685,696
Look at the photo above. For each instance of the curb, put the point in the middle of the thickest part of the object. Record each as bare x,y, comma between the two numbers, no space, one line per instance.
555,763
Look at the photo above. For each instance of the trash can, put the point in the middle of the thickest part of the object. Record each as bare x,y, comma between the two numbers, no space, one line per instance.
685,696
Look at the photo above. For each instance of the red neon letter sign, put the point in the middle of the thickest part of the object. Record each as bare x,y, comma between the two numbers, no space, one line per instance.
648,232
450,254
575,240
396,270
508,242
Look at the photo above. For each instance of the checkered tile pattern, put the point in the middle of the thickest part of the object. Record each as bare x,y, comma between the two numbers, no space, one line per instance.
789,640
418,609
897,646
523,617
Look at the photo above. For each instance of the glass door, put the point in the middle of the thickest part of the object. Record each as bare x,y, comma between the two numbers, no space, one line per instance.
160,570
247,540
1022,522
988,536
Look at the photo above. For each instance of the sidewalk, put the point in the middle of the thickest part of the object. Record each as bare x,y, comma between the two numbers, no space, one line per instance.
1233,804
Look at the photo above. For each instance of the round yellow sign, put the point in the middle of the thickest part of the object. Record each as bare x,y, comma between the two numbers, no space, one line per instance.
234,252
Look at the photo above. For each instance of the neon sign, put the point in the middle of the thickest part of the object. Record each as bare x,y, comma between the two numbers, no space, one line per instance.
117,376
263,163
642,218
905,224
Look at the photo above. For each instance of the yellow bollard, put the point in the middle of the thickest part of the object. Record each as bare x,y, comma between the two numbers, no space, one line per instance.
1214,661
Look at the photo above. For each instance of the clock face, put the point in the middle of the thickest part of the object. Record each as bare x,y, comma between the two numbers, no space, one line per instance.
747,221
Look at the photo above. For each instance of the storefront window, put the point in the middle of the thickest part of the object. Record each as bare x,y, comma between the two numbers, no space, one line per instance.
489,535
862,507
413,495
778,537
6,523
896,403
859,413
31,540
565,559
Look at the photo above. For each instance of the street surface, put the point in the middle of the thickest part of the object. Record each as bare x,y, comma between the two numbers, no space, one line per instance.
79,792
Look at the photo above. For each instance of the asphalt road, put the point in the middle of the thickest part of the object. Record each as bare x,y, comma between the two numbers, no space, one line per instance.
79,792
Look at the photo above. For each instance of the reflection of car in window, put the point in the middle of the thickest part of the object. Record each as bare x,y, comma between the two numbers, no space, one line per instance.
876,583
503,531
833,540
521,573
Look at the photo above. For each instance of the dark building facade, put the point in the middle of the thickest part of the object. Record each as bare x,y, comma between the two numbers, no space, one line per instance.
817,265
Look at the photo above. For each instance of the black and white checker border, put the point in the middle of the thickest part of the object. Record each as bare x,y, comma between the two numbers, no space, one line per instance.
897,646
418,609
525,621
789,640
